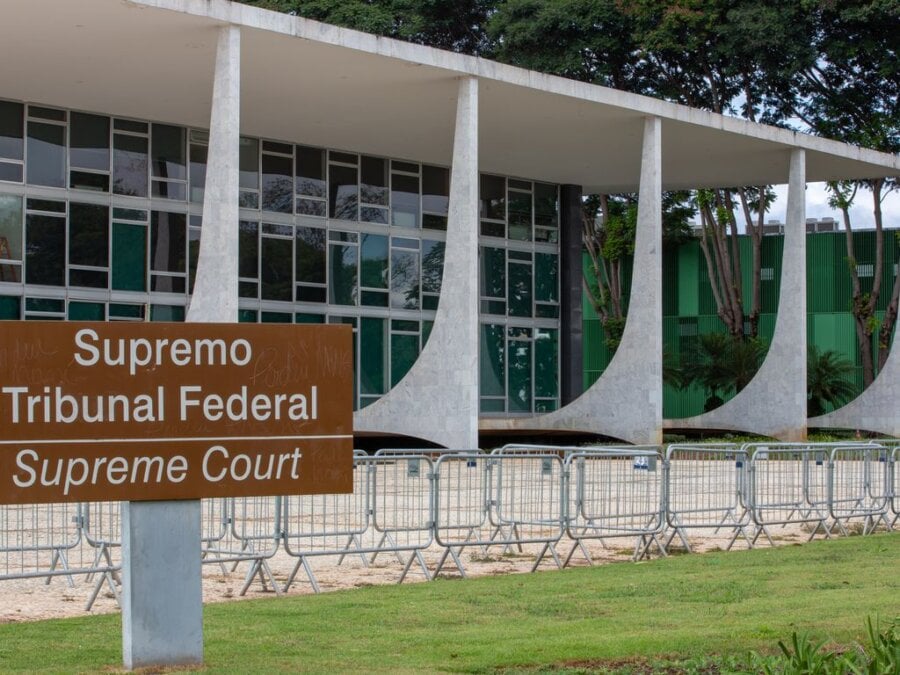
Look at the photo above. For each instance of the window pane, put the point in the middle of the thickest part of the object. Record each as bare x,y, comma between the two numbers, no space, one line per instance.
372,214
88,278
130,165
82,180
311,254
519,396
373,262
405,201
342,192
88,235
10,307
493,359
166,313
373,356
520,216
435,189
12,120
160,283
277,179
342,277
121,311
168,234
493,272
46,154
310,178
45,250
404,351
129,257
373,184
249,163
545,355
432,265
193,254
519,289
546,277
11,172
11,228
130,125
199,155
546,205
86,311
169,152
493,196
89,145
248,249
311,207
404,279
276,266
275,317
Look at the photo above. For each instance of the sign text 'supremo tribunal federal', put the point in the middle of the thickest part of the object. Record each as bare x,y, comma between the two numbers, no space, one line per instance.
94,411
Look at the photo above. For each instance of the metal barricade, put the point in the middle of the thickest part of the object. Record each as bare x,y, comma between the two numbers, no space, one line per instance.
789,486
498,500
705,489
65,540
253,535
894,477
389,511
859,486
615,493
41,540
402,505
102,529
215,520
327,524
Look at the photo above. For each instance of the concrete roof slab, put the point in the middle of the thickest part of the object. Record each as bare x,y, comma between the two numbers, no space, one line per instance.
308,82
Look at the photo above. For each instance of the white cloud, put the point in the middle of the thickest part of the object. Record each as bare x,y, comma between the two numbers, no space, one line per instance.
861,214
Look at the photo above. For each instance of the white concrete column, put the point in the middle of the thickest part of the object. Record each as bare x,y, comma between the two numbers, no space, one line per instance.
215,295
438,398
162,598
774,403
626,401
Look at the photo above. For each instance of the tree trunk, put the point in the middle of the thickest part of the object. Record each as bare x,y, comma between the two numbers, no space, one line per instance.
861,308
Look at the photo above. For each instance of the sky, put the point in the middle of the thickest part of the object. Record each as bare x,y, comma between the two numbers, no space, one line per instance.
860,213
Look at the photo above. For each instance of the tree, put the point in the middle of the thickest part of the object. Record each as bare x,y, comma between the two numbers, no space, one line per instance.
587,41
722,365
827,380
609,223
850,92
457,25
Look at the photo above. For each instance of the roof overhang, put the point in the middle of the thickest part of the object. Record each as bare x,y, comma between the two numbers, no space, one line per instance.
309,82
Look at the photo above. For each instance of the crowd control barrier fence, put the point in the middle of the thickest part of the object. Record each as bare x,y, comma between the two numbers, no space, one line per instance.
518,500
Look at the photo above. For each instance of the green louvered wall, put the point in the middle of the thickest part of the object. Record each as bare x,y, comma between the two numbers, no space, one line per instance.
689,308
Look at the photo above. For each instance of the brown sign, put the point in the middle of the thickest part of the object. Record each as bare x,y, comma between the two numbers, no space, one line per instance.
98,411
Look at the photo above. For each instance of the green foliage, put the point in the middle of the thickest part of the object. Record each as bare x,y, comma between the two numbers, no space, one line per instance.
803,656
588,41
613,328
883,655
722,364
458,25
827,380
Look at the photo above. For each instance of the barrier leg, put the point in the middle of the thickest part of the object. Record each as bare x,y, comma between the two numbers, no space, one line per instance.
60,557
302,562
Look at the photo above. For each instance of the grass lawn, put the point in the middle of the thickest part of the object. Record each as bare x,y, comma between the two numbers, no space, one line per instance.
685,607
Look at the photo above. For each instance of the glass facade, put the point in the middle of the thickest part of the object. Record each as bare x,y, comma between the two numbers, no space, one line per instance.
100,219
519,288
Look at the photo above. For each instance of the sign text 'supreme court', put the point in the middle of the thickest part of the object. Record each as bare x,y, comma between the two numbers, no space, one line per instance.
124,411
